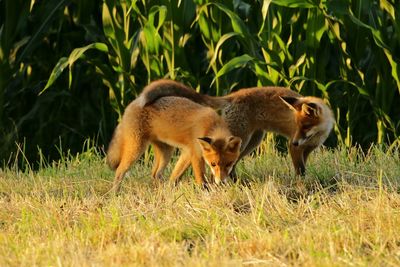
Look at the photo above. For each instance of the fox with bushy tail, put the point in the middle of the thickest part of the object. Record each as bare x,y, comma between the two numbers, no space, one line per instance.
306,121
200,133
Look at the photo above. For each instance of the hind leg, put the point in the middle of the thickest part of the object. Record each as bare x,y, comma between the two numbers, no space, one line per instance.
131,150
162,155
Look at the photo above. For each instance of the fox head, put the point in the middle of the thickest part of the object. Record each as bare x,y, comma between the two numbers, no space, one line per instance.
314,120
221,155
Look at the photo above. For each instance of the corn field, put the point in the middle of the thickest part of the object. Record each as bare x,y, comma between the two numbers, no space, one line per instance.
68,68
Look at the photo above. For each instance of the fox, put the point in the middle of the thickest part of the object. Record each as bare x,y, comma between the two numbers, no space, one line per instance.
306,121
168,123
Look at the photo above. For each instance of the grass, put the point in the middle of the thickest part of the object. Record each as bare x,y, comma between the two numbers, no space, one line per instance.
345,212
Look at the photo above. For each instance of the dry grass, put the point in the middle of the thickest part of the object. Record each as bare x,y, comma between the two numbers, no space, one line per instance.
345,212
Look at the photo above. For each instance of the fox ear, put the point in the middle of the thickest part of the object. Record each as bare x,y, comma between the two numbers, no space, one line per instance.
205,143
234,144
310,109
290,101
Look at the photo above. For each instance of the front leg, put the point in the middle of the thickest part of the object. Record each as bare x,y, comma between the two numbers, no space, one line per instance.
198,165
296,152
306,152
180,167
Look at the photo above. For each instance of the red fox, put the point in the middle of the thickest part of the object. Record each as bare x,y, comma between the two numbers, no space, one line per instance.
170,122
249,113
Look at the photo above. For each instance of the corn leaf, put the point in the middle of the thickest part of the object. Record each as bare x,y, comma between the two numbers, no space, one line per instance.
68,62
295,3
234,63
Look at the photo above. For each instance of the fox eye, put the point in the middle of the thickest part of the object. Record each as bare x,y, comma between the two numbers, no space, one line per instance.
213,164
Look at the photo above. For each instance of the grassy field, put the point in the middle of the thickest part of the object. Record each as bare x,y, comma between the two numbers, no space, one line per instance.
345,212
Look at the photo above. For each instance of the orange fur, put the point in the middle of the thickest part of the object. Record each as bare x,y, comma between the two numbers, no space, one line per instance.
167,123
249,113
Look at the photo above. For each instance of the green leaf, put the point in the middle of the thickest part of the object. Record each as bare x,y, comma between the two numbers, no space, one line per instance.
108,25
151,39
203,24
375,33
78,52
264,78
316,27
162,14
237,24
282,45
239,27
57,70
324,87
221,41
300,61
234,63
295,3
68,62
388,7
395,69
264,12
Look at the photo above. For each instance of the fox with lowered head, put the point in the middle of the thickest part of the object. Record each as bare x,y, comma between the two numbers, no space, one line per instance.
306,121
169,122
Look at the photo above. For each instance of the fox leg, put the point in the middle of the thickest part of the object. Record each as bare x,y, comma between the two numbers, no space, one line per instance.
131,150
245,142
306,152
255,140
198,165
297,154
180,167
162,155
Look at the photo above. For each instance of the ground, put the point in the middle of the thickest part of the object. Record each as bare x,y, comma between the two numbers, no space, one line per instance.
344,212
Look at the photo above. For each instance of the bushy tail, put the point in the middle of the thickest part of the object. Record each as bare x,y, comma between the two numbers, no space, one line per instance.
162,88
114,150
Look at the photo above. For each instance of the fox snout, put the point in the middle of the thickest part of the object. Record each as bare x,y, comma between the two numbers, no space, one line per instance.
299,137
220,170
302,137
220,176
299,142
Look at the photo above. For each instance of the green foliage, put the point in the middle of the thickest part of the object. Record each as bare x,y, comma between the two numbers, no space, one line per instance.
344,51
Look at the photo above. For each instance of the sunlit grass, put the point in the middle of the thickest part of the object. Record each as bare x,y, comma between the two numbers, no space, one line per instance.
346,211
